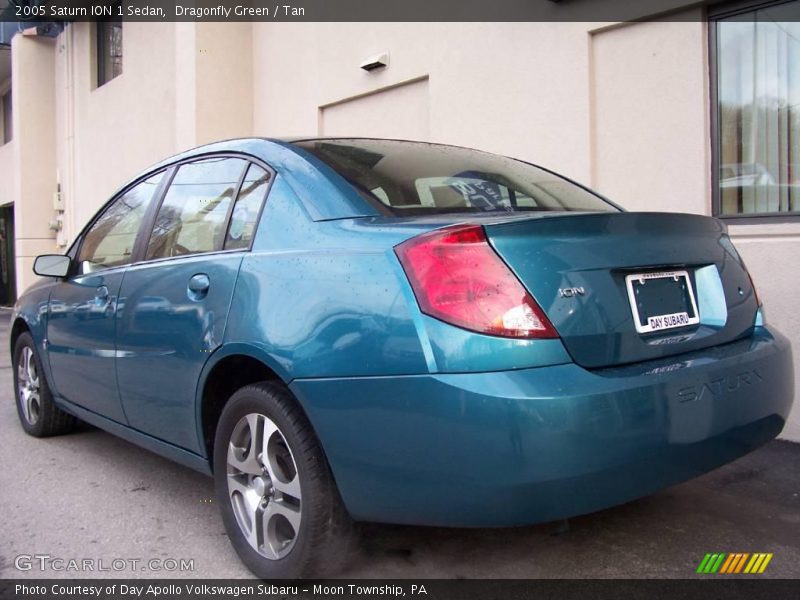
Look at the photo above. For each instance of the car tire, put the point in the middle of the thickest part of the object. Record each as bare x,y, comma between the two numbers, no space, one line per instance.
280,506
38,414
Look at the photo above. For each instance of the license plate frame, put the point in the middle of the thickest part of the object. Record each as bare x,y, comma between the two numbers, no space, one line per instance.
667,321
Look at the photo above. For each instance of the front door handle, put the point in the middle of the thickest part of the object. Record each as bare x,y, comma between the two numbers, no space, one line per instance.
102,299
198,287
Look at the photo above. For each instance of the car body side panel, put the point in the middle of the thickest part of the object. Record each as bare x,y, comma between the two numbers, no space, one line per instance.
329,299
319,303
312,328
81,341
165,336
533,445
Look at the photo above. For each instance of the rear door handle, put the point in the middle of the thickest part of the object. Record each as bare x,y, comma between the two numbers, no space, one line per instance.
198,287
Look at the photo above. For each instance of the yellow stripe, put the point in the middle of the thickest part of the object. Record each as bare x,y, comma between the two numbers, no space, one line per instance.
755,567
765,563
749,566
727,563
741,562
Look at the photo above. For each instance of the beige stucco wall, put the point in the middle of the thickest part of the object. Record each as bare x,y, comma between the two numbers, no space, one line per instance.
650,117
623,108
770,252
214,82
119,128
34,151
183,84
517,88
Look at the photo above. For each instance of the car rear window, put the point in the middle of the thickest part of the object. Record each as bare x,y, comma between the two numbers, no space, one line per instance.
412,178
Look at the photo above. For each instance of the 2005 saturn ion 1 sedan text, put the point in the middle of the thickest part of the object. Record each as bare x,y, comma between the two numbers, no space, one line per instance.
373,330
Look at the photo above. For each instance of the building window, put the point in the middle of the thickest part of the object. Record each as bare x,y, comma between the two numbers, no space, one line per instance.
8,124
109,51
756,62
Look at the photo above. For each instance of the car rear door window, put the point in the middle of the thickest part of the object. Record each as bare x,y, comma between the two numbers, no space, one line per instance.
109,241
245,211
193,216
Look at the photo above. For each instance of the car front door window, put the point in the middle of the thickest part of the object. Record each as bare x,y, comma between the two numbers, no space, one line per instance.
109,241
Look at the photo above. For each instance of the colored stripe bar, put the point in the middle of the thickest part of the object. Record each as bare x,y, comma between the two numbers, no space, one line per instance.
752,562
710,563
728,563
765,563
722,563
757,564
716,566
703,563
742,560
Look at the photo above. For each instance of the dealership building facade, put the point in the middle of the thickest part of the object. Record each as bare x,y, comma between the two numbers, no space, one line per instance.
697,111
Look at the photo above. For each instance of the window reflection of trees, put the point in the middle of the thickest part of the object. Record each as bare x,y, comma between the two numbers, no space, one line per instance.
193,214
114,233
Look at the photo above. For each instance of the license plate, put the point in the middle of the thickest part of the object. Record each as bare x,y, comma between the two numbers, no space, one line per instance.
661,301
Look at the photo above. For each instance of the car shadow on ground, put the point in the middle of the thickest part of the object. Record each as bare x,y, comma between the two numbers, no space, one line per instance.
751,505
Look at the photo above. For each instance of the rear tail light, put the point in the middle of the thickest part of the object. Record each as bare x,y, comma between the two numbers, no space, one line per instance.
457,277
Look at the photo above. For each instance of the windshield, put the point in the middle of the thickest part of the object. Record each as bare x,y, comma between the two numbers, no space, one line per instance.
413,178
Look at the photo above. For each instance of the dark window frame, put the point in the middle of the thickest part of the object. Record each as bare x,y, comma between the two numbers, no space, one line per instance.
146,227
232,207
715,14
150,218
228,211
383,209
105,65
8,117
75,250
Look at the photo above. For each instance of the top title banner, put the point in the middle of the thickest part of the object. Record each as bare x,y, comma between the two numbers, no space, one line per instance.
355,10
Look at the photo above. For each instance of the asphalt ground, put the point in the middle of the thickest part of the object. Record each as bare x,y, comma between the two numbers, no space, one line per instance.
89,495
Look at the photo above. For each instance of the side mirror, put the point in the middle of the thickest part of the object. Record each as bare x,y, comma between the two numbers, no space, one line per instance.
52,265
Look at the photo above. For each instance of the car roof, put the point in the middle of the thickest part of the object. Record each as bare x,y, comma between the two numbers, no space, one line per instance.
324,195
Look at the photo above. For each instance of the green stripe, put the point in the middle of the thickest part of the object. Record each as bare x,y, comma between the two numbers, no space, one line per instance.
718,563
710,563
702,566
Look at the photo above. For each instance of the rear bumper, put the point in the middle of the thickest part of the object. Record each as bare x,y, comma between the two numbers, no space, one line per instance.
519,447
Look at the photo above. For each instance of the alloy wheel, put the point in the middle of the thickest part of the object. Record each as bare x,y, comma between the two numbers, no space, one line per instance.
28,386
264,486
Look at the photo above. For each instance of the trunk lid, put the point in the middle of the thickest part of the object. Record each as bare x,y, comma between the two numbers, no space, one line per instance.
585,271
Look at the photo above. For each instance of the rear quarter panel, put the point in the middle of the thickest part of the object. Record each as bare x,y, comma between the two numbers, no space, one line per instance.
323,298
